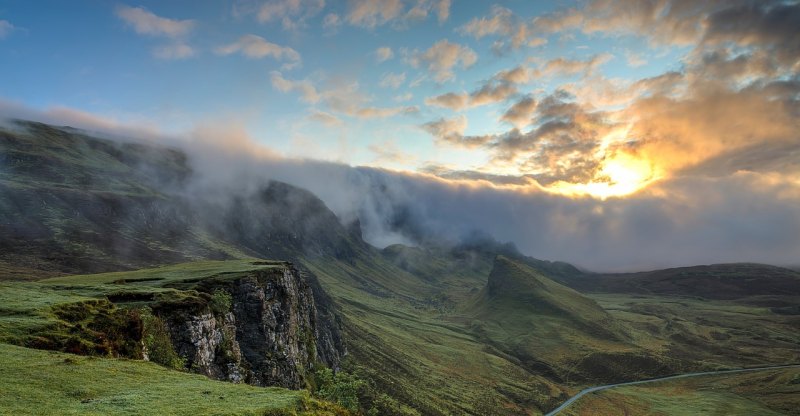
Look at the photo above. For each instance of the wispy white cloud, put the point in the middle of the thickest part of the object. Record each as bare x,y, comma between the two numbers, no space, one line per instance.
306,88
256,47
442,58
372,13
392,80
5,28
384,53
145,22
176,50
293,14
325,118
634,60
331,22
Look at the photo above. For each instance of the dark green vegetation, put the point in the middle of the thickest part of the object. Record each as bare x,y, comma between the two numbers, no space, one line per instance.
457,328
768,393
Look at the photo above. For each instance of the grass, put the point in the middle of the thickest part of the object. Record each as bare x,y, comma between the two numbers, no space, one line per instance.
43,314
160,276
768,393
707,334
454,360
420,355
41,383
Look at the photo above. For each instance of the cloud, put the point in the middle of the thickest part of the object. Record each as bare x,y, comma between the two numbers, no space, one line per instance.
5,28
379,112
292,14
567,67
441,58
698,218
516,75
634,60
145,22
256,47
176,50
767,26
423,8
388,152
443,10
562,146
520,115
383,54
341,98
452,130
392,80
372,13
331,22
403,97
308,92
501,21
451,100
489,93
325,118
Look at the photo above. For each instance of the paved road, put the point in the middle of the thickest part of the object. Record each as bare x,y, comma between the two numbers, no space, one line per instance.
584,392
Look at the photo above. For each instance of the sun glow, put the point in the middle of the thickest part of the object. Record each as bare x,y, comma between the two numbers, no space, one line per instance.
619,176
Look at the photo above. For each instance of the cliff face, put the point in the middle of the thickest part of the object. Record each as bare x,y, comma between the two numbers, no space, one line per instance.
265,331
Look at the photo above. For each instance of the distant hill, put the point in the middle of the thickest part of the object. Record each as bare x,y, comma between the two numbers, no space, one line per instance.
551,328
718,281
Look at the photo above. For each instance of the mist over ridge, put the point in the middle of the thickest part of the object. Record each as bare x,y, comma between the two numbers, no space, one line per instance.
743,217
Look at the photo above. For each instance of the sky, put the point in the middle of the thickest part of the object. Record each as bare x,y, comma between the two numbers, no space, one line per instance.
666,128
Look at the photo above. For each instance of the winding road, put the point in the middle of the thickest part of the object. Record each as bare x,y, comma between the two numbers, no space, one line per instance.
586,391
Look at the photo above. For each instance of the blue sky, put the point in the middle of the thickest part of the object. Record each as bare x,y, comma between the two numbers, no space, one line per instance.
85,55
387,83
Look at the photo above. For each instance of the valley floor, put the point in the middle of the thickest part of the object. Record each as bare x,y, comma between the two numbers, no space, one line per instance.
767,393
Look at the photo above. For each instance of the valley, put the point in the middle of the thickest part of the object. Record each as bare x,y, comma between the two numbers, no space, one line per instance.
100,259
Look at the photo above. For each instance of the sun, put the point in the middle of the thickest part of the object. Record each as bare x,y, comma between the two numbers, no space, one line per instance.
618,176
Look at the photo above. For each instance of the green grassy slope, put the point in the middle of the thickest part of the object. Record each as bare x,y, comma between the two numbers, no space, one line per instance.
420,354
35,382
552,328
39,314
768,393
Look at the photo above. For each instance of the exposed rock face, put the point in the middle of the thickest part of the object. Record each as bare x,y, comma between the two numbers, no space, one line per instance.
271,336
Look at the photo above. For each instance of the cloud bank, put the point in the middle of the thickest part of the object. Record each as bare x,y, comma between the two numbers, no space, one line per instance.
699,217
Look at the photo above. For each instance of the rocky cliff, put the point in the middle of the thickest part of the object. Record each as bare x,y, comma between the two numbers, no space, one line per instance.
261,327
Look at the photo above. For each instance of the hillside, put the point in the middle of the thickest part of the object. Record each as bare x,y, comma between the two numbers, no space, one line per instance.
718,281
74,203
554,329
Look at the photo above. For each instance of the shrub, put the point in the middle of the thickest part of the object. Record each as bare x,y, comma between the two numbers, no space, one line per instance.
221,302
158,343
341,388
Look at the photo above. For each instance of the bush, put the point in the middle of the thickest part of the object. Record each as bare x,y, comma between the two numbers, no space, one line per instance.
158,343
221,302
341,388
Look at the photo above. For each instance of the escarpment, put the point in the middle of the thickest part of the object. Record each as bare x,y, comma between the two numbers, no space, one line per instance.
261,327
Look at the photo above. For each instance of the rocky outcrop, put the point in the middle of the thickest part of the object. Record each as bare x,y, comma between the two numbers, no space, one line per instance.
260,327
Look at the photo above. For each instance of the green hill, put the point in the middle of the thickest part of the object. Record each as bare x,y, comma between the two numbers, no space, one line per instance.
553,329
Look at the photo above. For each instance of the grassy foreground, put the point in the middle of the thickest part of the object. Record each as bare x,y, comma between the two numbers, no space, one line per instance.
35,382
